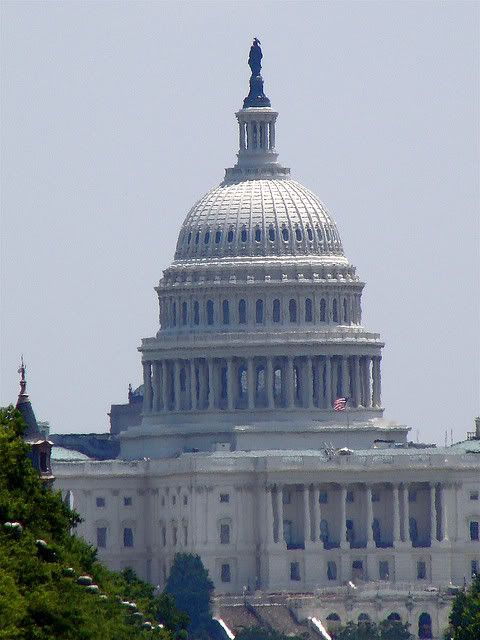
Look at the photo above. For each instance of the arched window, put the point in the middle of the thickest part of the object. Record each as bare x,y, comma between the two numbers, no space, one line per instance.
425,626
243,234
292,310
350,531
413,530
184,313
394,616
258,234
197,237
324,534
276,310
298,234
309,234
323,310
259,312
308,310
230,235
218,236
345,311
206,239
335,310
209,311
224,531
285,234
226,312
319,234
174,314
189,239
364,617
271,234
242,312
196,312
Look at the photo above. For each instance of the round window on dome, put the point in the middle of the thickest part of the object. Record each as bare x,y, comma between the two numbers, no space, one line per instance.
218,236
285,234
298,234
207,237
243,235
271,234
230,235
258,234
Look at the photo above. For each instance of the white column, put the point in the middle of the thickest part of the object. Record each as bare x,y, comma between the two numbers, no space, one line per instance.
279,499
370,540
165,385
317,515
345,378
357,385
147,387
269,382
193,385
433,515
444,497
406,515
211,384
230,385
178,392
156,403
270,521
309,382
307,525
202,384
343,518
377,381
251,383
368,381
290,399
396,516
328,382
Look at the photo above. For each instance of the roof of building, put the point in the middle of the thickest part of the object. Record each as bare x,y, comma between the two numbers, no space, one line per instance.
60,454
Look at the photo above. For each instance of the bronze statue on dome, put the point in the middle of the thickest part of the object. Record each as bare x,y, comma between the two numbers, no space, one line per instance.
255,57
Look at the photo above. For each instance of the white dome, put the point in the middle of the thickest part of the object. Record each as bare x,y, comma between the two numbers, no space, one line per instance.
255,218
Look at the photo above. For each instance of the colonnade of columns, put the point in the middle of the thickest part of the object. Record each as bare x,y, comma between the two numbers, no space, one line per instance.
401,533
262,382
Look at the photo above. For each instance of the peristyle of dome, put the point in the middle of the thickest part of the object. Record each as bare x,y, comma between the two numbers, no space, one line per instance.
260,318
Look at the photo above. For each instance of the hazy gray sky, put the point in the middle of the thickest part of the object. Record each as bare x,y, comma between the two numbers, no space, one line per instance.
118,116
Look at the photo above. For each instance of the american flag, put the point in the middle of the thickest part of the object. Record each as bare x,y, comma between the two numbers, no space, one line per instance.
340,404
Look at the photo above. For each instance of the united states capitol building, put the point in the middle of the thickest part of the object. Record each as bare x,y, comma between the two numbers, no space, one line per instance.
327,515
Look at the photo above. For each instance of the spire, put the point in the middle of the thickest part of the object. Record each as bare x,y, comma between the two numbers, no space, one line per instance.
256,97
24,405
257,157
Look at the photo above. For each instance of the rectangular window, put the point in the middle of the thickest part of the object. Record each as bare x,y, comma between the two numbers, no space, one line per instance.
473,495
286,497
294,571
101,537
185,500
174,500
224,534
331,570
323,498
224,497
474,531
350,496
375,496
474,568
225,575
128,537
127,501
383,570
100,502
421,570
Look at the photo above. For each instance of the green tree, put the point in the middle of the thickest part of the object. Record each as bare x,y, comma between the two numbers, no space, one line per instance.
465,614
192,589
258,633
40,598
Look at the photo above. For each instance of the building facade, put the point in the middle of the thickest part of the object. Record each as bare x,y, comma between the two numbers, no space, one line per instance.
241,455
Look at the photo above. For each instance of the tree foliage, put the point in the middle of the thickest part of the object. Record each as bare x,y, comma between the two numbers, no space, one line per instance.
385,630
465,614
40,598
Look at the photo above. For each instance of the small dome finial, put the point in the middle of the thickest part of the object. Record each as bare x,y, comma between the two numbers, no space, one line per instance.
23,382
256,97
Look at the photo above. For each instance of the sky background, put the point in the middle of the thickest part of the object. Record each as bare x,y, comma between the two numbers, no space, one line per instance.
117,116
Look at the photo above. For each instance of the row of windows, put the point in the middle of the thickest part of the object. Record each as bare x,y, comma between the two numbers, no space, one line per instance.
339,312
216,237
100,501
102,537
